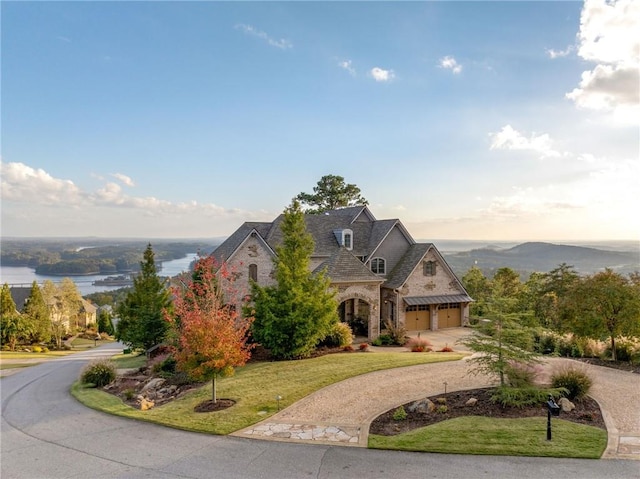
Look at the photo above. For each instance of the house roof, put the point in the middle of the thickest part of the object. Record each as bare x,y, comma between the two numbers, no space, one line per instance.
444,298
231,244
407,264
344,267
20,294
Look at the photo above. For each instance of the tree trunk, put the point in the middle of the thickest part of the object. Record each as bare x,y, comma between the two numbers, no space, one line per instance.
613,348
213,388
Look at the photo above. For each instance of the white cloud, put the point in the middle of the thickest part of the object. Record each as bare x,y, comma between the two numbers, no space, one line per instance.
553,54
609,37
282,43
450,63
34,202
124,179
510,139
23,184
381,75
346,65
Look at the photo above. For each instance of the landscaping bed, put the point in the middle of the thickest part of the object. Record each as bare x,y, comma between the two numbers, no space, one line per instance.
454,404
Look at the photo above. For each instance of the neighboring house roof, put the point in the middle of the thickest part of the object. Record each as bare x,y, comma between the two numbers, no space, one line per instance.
344,267
20,294
88,307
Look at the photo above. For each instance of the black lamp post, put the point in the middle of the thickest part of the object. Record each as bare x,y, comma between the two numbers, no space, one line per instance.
552,410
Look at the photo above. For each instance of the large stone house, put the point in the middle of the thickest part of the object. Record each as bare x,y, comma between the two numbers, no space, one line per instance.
379,272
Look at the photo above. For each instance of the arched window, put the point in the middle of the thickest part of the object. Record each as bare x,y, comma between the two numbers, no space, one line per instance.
253,272
429,268
378,266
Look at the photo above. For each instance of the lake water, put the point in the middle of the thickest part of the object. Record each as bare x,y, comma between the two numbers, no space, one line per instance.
24,276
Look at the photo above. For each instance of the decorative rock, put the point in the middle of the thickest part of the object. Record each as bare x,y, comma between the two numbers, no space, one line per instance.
566,405
471,402
145,404
423,406
153,384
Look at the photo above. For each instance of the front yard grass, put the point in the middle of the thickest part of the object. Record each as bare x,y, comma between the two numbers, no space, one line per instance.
509,437
255,387
129,361
12,355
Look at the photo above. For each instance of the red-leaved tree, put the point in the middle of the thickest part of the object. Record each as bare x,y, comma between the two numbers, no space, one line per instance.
211,334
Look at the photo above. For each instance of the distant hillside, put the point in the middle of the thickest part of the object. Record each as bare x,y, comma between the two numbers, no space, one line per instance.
543,257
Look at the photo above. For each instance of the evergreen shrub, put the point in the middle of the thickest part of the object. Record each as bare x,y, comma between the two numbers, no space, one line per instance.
99,373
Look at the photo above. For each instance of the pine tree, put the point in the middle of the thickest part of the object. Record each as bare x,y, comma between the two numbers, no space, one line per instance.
292,317
331,193
502,343
13,327
142,322
37,314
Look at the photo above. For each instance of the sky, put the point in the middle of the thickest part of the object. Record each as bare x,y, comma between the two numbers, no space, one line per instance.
466,120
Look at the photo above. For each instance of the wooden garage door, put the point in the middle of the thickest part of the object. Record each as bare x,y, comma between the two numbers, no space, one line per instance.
417,318
449,316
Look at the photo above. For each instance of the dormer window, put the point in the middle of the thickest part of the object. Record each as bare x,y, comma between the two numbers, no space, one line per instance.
378,266
347,235
344,238
429,268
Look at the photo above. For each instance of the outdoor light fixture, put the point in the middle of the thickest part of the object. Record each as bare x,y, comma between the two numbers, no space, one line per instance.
552,410
278,398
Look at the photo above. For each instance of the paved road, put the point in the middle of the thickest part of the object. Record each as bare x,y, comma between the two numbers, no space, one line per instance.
45,433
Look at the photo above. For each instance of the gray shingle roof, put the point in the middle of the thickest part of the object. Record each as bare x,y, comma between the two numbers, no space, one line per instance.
407,264
227,248
444,298
344,267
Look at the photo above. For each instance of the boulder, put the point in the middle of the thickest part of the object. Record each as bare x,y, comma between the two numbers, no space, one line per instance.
145,404
566,405
423,406
471,402
153,384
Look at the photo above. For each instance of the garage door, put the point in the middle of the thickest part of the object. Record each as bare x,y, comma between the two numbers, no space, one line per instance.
417,318
449,316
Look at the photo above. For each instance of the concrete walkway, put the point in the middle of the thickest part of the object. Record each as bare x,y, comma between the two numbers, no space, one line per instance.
341,413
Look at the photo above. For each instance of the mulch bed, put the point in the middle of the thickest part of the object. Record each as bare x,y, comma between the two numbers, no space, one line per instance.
210,406
621,365
587,412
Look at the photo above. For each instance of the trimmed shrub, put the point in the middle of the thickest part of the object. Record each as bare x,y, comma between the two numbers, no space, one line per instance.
398,333
545,342
399,414
624,350
592,348
99,373
570,347
446,349
339,336
522,375
363,347
508,396
36,349
418,345
383,340
574,379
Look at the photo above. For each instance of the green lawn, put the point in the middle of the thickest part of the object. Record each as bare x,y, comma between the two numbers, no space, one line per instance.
7,355
129,361
510,437
254,388
16,365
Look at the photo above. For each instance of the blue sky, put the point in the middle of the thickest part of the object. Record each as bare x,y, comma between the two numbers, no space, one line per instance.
466,120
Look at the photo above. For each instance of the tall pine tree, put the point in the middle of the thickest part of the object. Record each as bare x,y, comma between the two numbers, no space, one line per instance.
37,314
142,322
292,317
13,327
